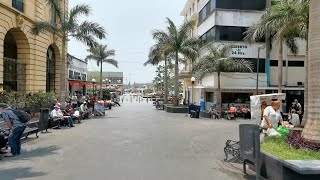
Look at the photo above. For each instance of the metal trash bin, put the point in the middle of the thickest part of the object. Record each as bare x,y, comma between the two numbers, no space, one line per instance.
44,119
250,145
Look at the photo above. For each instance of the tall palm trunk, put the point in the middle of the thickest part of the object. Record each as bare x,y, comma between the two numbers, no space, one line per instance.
305,111
101,79
176,80
63,72
165,81
311,131
219,100
280,66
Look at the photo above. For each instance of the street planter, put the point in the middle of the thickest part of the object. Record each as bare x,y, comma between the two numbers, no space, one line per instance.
172,109
274,168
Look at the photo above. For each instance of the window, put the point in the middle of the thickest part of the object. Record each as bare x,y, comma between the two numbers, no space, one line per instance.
208,37
71,74
210,97
290,64
208,8
18,4
84,77
230,33
205,11
53,15
262,65
241,4
77,76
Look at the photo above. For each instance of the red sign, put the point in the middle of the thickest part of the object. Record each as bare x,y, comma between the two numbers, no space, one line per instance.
79,84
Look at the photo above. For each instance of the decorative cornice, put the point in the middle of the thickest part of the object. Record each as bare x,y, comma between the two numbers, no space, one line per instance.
13,10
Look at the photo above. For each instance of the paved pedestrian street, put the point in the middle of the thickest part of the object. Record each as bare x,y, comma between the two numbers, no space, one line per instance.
133,142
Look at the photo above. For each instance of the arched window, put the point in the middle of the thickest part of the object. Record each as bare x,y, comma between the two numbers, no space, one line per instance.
51,70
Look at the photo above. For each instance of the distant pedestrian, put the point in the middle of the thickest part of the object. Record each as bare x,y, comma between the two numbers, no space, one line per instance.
297,109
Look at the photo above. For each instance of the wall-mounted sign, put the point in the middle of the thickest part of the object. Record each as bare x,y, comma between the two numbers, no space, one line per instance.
239,50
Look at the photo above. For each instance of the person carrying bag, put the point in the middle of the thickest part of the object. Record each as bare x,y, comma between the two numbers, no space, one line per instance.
271,118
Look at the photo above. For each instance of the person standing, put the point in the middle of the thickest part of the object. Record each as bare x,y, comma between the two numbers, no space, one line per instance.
272,116
74,100
16,129
298,108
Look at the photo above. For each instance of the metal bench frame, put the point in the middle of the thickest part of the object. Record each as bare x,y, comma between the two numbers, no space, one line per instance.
232,148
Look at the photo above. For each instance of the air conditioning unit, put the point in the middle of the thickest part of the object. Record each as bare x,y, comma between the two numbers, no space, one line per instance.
299,83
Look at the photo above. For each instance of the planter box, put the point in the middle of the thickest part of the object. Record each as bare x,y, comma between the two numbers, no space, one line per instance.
273,168
171,109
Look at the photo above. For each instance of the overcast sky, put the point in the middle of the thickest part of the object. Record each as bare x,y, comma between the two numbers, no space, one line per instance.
129,24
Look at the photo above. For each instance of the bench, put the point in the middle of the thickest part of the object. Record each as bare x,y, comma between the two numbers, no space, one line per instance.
32,128
232,148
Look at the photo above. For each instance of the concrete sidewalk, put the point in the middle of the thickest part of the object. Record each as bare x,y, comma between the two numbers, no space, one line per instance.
133,142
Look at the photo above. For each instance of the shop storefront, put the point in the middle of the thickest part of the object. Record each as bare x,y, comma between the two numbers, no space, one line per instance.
77,87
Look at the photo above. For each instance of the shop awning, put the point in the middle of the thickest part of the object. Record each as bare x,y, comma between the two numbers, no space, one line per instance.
75,83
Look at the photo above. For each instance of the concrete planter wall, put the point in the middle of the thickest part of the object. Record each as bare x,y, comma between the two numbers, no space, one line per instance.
273,168
171,109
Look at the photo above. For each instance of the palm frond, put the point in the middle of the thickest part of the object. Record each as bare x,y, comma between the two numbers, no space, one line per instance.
43,26
75,12
102,53
111,61
86,39
91,28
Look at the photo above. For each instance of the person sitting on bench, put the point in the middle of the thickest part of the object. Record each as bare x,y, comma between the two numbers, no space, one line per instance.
71,112
84,110
3,140
214,113
245,111
57,114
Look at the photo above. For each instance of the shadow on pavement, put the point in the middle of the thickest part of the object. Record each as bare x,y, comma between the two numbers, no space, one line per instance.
19,173
39,152
234,170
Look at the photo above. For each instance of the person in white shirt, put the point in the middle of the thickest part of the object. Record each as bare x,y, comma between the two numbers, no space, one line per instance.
272,116
57,113
84,110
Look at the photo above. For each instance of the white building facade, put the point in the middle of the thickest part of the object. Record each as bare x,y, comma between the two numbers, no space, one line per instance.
223,22
77,75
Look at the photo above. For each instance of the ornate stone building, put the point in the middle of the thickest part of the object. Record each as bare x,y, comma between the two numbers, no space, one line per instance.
28,62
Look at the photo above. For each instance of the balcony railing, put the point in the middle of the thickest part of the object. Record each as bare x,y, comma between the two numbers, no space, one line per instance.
18,4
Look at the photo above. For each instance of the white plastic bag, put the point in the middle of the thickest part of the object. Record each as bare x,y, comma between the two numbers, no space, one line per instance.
272,132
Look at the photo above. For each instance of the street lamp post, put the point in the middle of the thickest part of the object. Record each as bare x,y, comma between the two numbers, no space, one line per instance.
93,82
258,64
193,79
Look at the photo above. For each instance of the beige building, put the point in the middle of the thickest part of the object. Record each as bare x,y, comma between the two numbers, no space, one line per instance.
190,13
28,62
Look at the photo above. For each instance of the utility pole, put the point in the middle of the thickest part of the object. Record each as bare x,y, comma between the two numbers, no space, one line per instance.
268,49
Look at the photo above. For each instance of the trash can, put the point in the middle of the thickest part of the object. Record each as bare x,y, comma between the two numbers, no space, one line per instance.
44,119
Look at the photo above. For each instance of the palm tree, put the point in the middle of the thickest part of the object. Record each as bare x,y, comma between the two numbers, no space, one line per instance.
101,54
157,54
176,41
311,131
68,26
286,21
218,61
